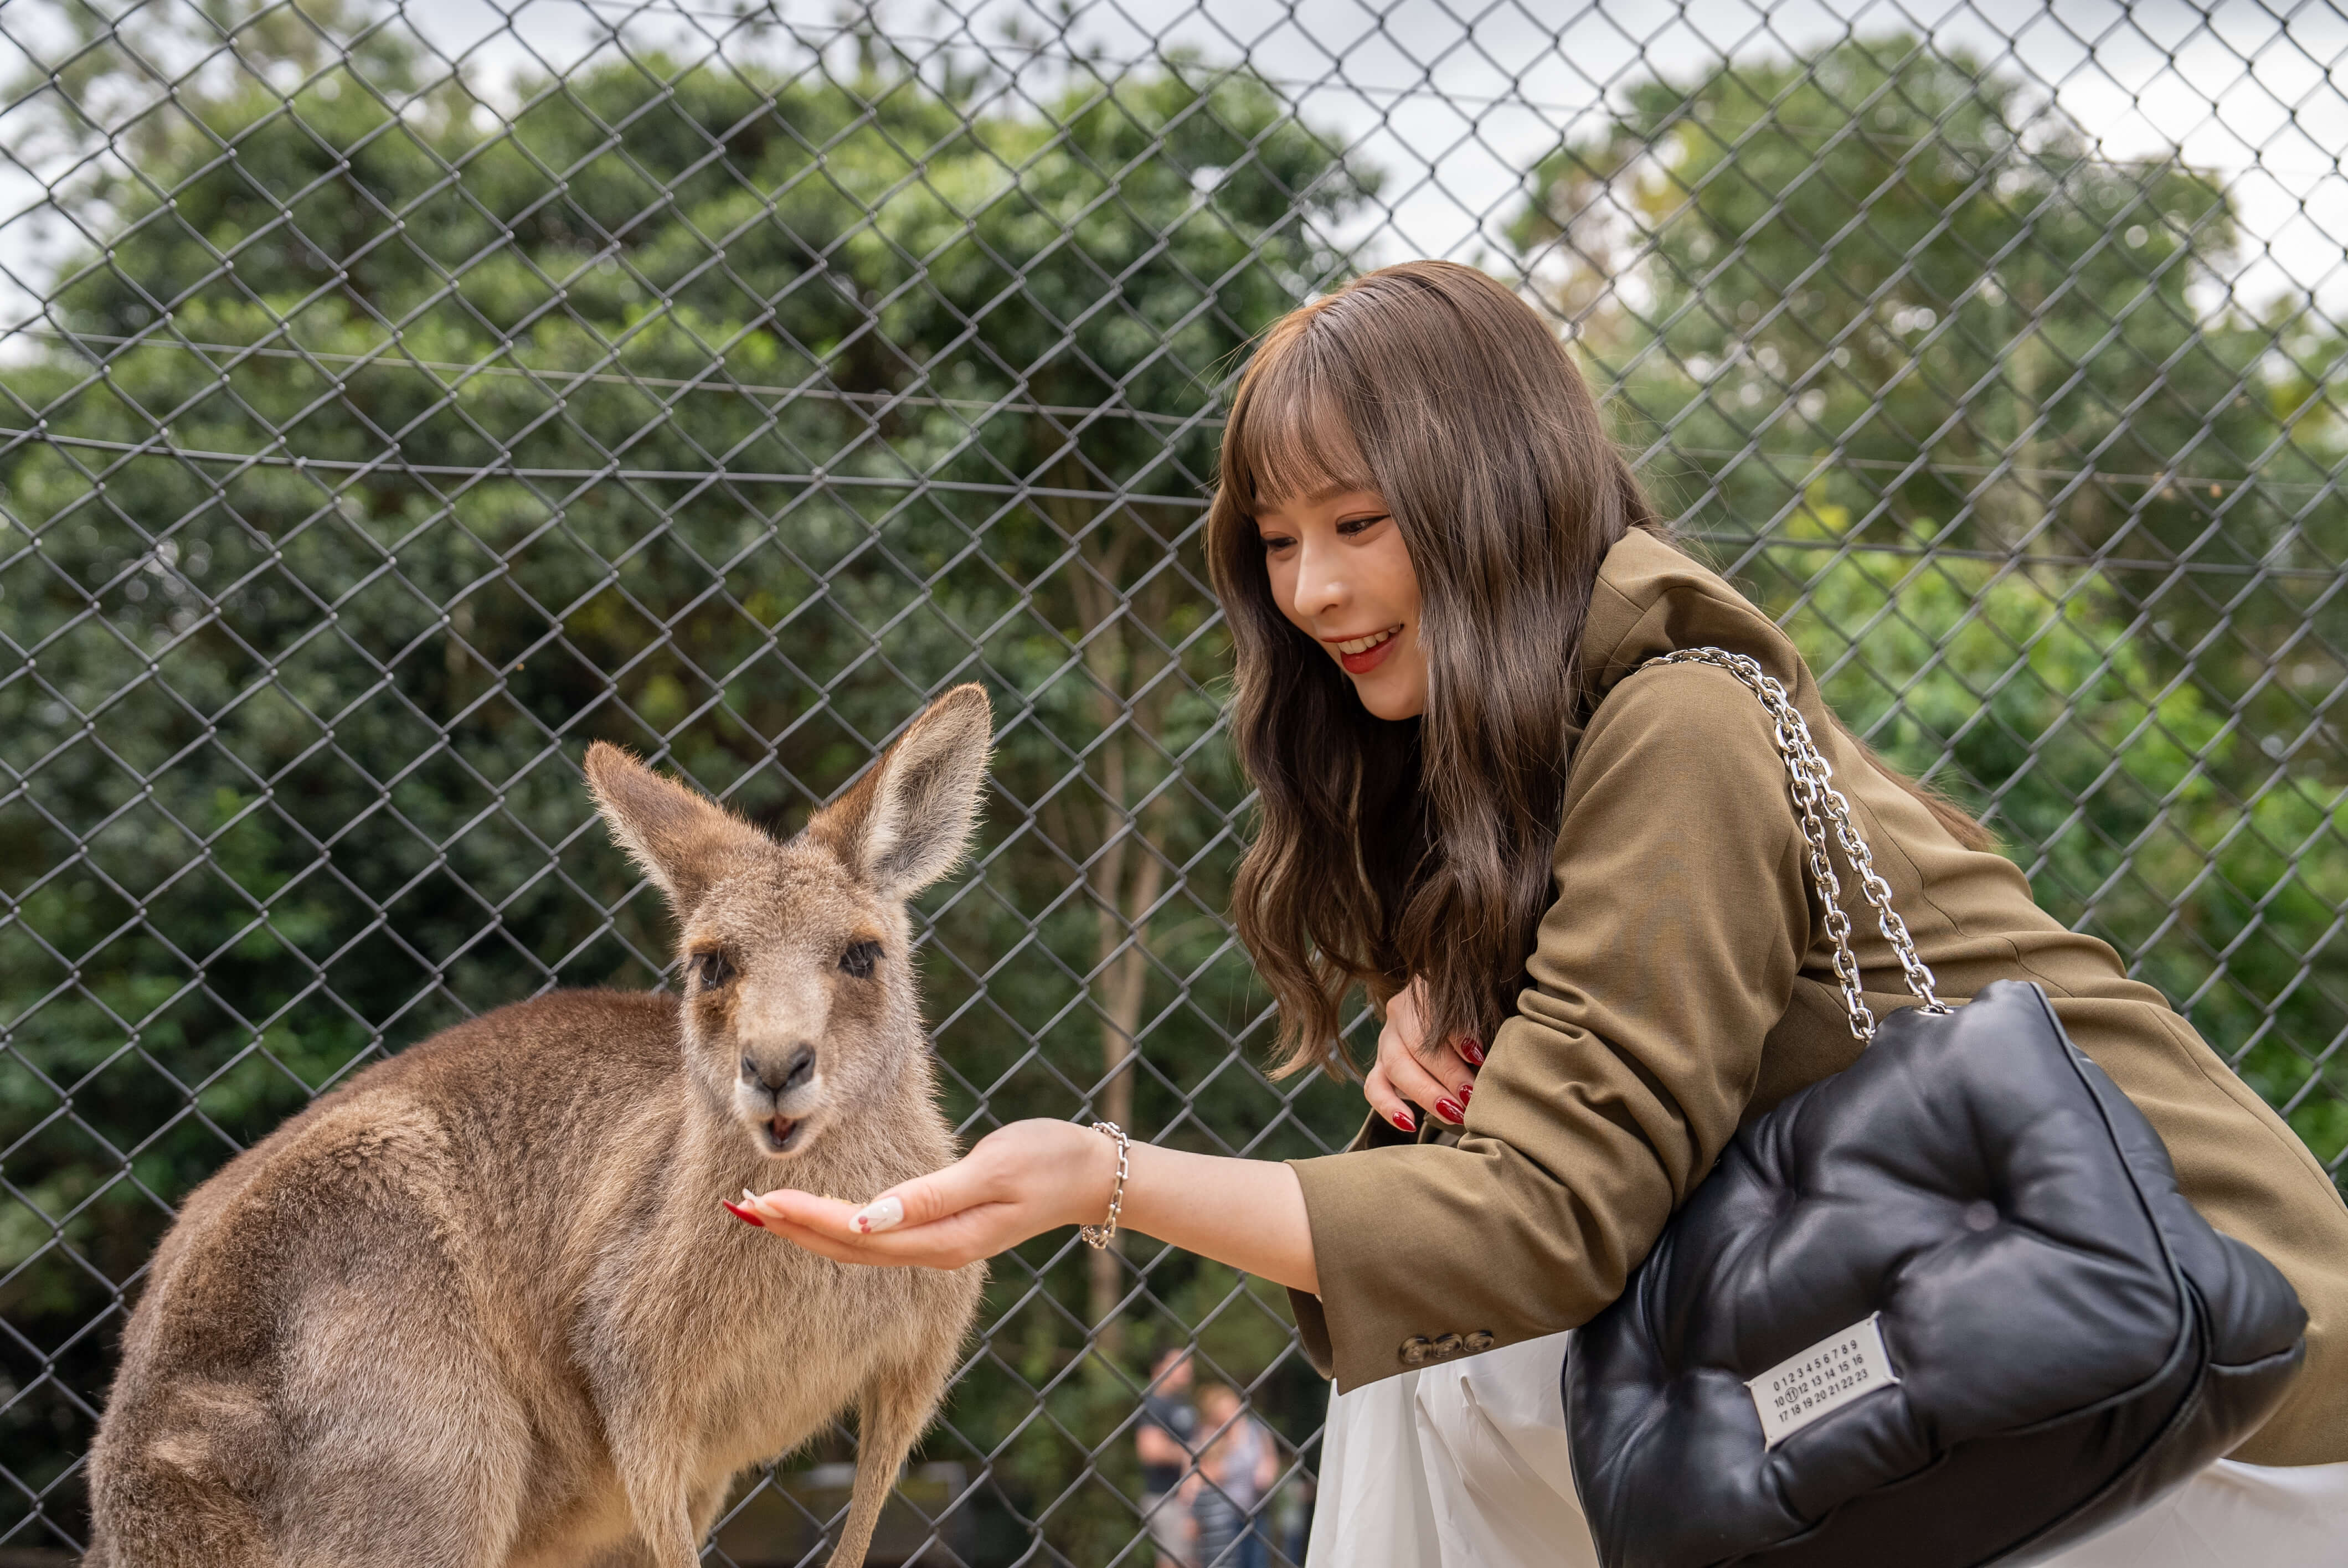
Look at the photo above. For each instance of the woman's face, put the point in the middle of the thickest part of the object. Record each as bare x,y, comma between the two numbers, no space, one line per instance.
1339,572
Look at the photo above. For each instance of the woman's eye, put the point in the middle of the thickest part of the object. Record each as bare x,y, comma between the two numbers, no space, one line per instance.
1352,526
711,969
860,958
1276,543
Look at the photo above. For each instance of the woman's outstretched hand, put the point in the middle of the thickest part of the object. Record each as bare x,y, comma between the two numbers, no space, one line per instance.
1017,1182
1410,1071
1034,1176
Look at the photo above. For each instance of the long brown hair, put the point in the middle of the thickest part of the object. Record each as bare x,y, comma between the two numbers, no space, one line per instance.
1392,848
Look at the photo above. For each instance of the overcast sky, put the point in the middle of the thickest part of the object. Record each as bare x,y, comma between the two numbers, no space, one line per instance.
1456,101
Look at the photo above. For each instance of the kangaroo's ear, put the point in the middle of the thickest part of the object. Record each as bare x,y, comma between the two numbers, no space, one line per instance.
908,820
681,839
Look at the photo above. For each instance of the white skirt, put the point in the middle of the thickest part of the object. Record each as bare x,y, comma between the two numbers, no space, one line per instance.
1464,1466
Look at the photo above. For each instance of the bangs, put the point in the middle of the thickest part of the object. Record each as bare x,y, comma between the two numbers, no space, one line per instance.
1290,435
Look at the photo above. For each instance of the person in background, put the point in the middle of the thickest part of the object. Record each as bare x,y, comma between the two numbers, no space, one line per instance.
1168,1424
1238,1463
1263,1524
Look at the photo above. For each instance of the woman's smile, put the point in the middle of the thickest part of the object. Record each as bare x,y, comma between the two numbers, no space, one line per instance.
1360,655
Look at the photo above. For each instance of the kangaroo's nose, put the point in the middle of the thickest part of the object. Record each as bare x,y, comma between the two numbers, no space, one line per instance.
793,1071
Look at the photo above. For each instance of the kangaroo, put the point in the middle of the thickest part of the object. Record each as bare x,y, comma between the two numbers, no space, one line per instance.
481,1308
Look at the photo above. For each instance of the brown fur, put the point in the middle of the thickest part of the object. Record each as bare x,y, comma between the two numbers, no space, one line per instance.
481,1307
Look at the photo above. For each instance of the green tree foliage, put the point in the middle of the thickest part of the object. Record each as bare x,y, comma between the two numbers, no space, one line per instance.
392,455
1878,303
1887,254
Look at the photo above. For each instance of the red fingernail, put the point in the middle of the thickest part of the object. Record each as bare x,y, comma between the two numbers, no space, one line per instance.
1402,1119
1450,1109
1471,1052
745,1215
1465,1090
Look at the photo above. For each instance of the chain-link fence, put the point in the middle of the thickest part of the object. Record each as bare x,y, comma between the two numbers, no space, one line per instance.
399,397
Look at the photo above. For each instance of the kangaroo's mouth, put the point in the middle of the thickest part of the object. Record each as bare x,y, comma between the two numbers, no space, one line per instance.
782,1134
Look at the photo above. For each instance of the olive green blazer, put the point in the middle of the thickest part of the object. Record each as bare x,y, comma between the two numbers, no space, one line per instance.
1681,984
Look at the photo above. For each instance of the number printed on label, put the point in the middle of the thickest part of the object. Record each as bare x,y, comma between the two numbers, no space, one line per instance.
1827,1375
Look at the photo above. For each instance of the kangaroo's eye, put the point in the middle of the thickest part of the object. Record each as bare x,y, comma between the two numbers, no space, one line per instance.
711,969
860,958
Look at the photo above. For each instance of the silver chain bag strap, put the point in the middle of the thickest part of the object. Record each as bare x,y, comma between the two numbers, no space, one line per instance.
1943,1309
1810,778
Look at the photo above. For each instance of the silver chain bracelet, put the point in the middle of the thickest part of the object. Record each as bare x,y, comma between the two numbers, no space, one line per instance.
1099,1234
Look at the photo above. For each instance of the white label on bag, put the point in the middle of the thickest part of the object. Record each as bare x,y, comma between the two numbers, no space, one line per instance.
1827,1375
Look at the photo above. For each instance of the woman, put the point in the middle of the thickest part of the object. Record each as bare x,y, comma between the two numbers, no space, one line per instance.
1578,897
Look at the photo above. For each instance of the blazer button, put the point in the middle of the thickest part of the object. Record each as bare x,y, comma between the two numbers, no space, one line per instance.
1415,1350
1448,1346
1479,1340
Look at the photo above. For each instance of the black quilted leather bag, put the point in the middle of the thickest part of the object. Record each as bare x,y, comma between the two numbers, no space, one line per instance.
1942,1309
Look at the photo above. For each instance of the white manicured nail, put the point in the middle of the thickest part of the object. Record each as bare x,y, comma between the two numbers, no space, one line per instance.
749,1198
880,1214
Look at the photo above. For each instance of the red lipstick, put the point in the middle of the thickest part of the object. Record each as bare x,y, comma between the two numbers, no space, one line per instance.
1368,658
